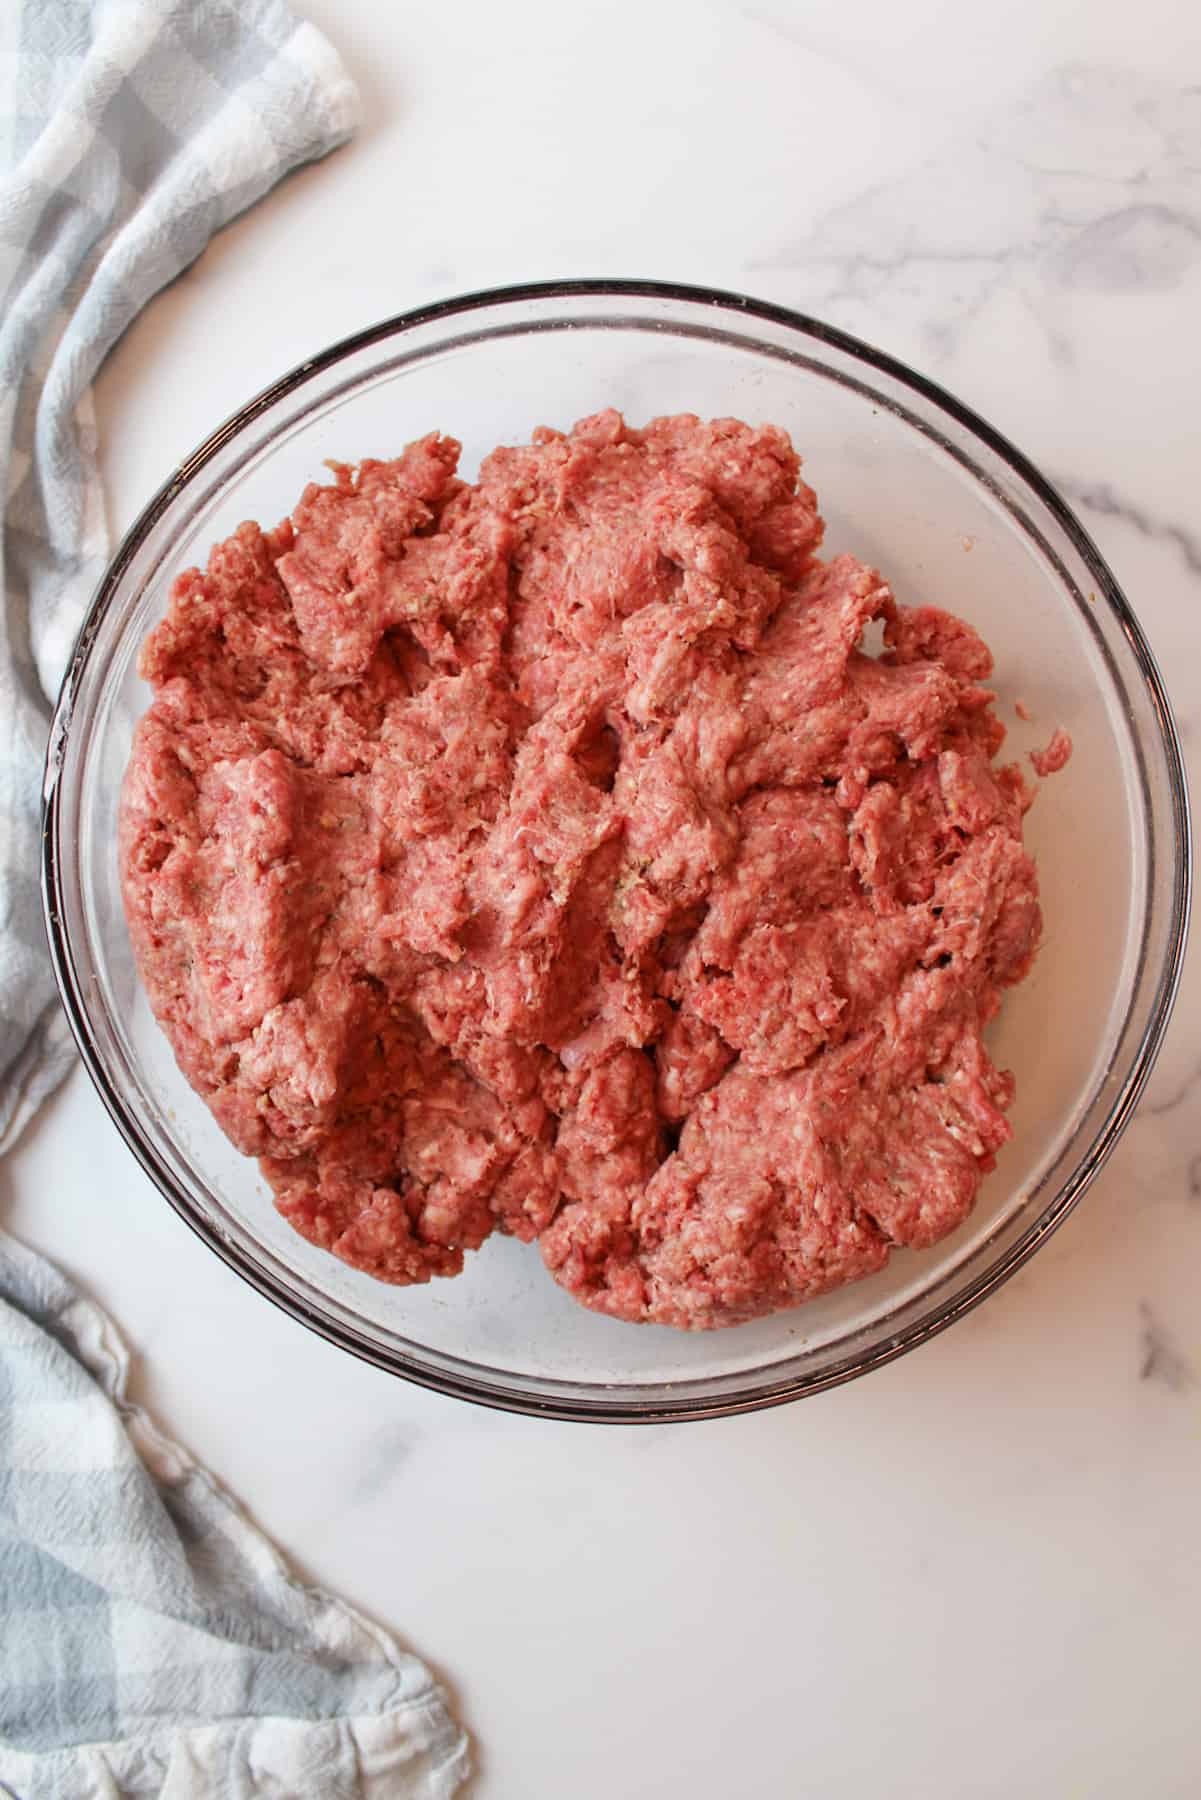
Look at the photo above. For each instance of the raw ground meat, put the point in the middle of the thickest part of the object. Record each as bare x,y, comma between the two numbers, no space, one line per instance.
549,855
1055,756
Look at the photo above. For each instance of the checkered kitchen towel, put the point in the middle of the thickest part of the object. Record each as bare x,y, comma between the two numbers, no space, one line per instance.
130,130
151,1640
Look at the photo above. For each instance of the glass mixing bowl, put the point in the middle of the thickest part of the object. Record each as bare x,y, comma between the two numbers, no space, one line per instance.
908,479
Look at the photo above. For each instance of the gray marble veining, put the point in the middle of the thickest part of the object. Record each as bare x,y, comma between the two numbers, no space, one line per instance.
1086,184
1100,497
1161,1358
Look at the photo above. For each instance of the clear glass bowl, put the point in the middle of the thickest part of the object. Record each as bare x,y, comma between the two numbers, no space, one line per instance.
908,479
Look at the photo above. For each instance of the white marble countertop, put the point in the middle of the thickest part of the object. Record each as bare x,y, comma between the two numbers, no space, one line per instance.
977,1571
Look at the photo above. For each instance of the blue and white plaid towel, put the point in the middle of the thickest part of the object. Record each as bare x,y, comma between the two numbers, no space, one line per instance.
130,130
151,1640
153,1643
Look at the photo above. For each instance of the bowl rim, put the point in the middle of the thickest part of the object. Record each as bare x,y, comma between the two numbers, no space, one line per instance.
515,1399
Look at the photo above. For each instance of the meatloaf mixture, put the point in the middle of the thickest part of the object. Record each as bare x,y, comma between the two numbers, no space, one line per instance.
578,854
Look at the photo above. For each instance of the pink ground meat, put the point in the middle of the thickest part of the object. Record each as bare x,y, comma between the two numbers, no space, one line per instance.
1055,756
548,855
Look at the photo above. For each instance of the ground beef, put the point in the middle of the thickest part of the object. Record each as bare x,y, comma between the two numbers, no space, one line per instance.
1055,756
552,855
